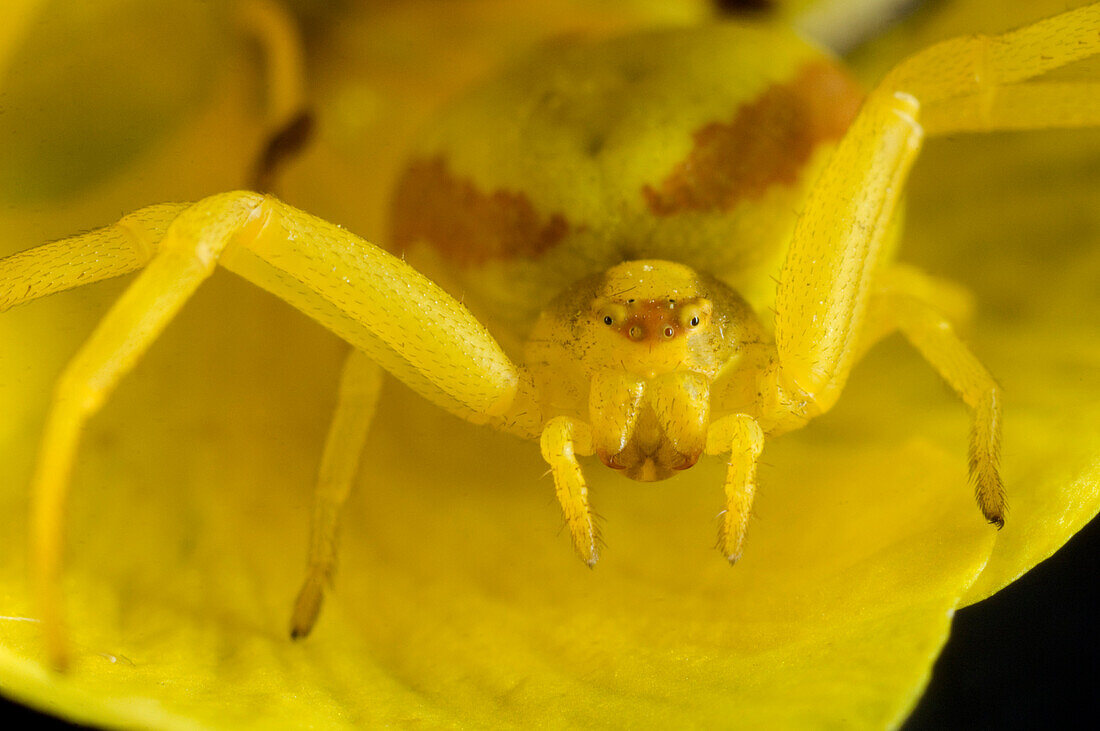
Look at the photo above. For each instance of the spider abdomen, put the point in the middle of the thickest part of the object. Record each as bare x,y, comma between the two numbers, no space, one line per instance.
684,145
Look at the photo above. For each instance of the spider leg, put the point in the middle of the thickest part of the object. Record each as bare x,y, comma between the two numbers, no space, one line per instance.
121,248
276,32
358,397
1037,105
562,439
376,302
826,280
906,300
978,83
400,319
966,83
186,257
743,439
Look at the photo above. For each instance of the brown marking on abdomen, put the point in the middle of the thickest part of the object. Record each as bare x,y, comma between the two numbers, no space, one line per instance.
767,142
464,224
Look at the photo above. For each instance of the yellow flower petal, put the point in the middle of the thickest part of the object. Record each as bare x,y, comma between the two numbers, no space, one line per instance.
459,602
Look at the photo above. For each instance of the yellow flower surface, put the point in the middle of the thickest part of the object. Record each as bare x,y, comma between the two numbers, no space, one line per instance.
459,601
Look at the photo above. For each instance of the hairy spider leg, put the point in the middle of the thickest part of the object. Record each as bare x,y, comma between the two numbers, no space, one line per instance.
828,276
121,248
907,300
360,384
376,302
292,125
826,279
186,257
681,405
977,84
130,244
743,439
563,438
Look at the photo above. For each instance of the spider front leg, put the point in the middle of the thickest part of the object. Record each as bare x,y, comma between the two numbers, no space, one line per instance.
743,439
563,438
383,307
974,83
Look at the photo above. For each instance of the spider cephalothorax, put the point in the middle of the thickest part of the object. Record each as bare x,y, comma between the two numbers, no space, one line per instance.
634,353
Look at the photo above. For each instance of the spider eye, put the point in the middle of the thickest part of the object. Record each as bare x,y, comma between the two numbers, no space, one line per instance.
610,314
669,332
695,313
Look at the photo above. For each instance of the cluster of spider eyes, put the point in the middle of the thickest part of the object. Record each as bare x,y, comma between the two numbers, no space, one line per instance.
694,322
636,331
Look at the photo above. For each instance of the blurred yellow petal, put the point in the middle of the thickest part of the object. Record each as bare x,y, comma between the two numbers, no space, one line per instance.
459,601
65,117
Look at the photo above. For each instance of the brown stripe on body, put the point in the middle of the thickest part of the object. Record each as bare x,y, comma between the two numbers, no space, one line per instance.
467,225
768,142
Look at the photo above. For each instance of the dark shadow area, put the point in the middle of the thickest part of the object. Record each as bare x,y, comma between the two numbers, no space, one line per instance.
13,715
1027,657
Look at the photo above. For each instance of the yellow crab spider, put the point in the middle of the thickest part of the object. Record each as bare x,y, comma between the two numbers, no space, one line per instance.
618,208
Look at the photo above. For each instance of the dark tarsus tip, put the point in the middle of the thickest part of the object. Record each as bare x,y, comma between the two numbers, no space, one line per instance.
289,141
744,6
